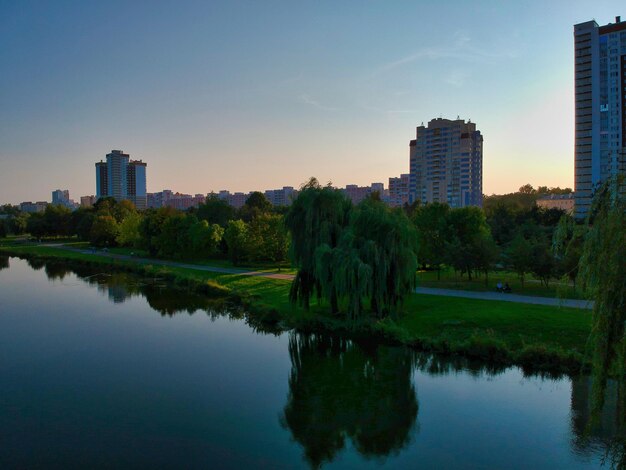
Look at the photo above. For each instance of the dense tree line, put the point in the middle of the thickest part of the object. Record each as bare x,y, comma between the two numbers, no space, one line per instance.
344,253
543,242
254,233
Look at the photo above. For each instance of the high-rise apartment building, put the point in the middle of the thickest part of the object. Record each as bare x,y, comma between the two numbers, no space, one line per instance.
600,96
122,178
446,163
136,184
60,197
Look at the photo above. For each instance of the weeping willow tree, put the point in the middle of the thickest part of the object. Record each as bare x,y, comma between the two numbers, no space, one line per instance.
315,219
385,241
375,260
350,255
603,272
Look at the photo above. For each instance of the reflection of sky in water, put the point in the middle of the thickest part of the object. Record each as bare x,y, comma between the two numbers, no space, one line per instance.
85,379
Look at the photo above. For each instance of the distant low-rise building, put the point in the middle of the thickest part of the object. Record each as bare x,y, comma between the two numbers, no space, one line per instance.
31,207
87,201
168,198
281,197
237,200
399,190
357,193
564,202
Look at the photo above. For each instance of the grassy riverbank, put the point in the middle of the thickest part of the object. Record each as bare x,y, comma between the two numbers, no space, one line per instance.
535,336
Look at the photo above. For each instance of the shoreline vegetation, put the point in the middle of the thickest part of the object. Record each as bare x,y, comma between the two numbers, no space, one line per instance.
537,338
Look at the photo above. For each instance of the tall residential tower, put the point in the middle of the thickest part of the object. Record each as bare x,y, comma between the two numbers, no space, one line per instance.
446,163
122,178
600,95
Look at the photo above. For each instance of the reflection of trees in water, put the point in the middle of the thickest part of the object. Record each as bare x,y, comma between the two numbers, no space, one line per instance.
444,365
35,263
337,390
120,287
56,271
4,262
169,302
602,432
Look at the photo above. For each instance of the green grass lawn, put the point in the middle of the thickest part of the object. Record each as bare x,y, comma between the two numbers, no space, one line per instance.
455,319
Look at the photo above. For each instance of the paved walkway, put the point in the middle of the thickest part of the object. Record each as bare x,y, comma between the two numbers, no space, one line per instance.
524,299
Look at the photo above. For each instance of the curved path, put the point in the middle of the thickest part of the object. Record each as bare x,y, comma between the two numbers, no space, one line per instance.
524,299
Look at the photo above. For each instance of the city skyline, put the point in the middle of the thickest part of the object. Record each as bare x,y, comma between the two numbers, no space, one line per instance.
335,94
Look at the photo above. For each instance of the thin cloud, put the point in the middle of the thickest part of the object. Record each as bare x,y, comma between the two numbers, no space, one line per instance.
456,78
460,49
306,99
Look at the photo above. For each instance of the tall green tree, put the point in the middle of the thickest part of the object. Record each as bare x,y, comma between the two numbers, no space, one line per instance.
256,204
174,241
216,211
380,247
236,237
104,231
152,226
542,263
486,253
17,223
205,238
129,230
268,239
431,221
567,245
467,229
316,217
603,272
519,255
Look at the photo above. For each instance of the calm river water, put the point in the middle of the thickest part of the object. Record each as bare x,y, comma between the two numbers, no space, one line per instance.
116,371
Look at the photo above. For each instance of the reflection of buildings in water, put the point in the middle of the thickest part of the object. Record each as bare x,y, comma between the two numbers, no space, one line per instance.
4,262
588,436
338,391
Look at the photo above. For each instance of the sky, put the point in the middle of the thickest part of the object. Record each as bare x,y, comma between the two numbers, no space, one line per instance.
256,95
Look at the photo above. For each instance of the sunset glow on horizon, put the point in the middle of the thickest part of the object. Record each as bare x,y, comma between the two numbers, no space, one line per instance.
242,96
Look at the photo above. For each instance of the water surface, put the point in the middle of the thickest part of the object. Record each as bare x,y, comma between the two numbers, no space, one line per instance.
100,370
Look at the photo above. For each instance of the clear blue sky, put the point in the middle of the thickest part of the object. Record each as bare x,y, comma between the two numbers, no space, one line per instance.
246,95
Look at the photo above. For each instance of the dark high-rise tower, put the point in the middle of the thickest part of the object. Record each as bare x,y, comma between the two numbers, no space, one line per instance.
600,95
122,178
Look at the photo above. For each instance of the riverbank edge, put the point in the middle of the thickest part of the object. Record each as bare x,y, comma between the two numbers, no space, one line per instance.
260,313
